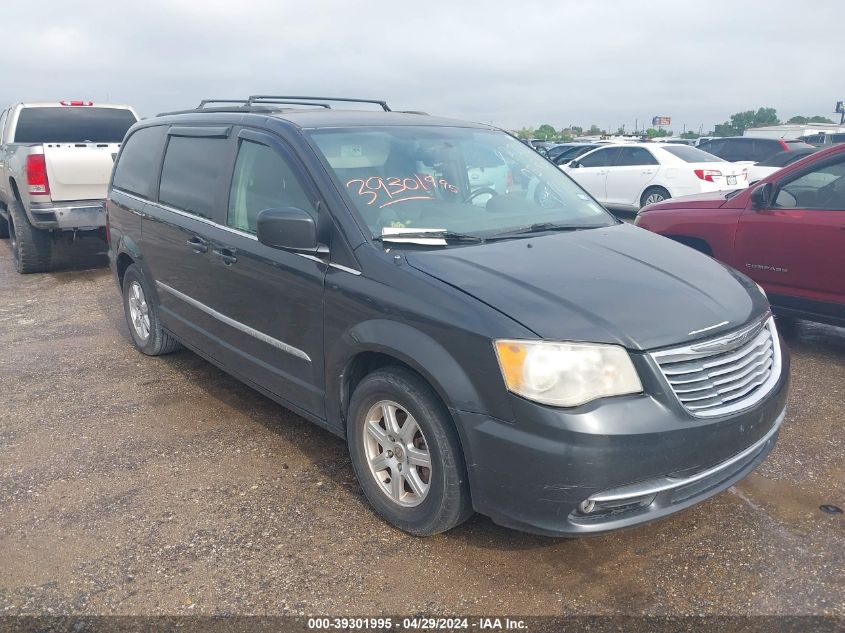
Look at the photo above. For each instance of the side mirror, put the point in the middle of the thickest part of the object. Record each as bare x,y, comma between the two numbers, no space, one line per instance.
574,164
289,228
761,197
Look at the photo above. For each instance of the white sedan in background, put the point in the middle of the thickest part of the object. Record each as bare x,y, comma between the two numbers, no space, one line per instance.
628,177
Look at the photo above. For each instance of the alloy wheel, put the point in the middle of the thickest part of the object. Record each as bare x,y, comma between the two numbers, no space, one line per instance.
397,453
139,311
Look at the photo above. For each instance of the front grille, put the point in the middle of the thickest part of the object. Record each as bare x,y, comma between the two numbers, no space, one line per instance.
724,374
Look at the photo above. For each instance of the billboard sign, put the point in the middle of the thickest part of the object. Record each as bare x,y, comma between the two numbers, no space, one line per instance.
660,121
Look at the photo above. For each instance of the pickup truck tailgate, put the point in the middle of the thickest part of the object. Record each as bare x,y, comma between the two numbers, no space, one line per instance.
79,171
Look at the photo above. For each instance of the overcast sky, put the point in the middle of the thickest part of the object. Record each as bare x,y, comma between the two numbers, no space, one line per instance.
513,63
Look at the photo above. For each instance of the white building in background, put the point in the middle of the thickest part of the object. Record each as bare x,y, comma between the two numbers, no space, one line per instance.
794,130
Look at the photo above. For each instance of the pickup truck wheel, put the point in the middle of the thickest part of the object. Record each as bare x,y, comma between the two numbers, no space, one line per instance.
142,315
31,247
653,195
406,453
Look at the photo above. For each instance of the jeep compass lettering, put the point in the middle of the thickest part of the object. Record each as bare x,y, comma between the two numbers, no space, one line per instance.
484,335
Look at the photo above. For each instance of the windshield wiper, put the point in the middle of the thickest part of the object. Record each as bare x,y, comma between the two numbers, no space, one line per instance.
541,227
425,237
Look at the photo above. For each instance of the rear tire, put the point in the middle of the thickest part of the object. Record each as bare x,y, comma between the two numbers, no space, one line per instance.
653,195
142,317
419,499
32,249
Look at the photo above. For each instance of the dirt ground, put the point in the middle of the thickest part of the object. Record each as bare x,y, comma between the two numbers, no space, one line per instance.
136,485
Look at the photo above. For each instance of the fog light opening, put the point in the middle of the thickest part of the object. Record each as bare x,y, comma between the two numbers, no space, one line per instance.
585,507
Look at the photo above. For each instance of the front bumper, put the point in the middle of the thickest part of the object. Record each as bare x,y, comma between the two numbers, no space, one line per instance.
83,215
629,460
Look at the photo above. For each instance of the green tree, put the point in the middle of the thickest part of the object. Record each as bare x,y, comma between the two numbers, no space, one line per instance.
803,120
546,132
577,130
595,130
525,132
690,134
741,121
765,116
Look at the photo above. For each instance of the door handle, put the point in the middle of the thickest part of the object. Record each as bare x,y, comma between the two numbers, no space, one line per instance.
228,256
198,245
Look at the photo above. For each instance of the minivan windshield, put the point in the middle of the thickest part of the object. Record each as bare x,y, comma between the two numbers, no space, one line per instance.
462,181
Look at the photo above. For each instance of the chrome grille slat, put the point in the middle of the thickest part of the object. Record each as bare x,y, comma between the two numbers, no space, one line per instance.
714,392
709,383
686,367
723,374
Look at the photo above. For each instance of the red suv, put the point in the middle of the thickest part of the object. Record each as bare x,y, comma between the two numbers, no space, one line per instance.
787,233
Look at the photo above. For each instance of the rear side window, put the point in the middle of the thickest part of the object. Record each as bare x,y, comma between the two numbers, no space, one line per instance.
738,149
692,154
837,138
600,158
764,148
191,173
73,124
137,169
630,156
263,179
715,147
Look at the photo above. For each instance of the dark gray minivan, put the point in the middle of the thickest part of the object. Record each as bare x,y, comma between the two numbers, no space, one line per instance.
481,331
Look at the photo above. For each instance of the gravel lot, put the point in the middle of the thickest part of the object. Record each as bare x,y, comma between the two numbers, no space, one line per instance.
135,485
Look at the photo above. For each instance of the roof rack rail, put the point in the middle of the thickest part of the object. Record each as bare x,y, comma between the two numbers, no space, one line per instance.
273,101
257,99
205,102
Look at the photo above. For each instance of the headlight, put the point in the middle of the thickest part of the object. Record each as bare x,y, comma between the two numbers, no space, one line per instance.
566,374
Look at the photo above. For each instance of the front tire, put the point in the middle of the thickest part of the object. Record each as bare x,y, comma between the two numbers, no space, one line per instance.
653,195
406,453
142,315
32,249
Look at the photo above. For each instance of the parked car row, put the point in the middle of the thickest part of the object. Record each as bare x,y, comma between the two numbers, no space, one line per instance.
823,140
750,149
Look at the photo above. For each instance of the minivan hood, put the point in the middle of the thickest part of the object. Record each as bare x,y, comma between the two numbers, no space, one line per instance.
618,284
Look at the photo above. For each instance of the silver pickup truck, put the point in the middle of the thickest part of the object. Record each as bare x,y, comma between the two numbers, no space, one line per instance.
55,163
